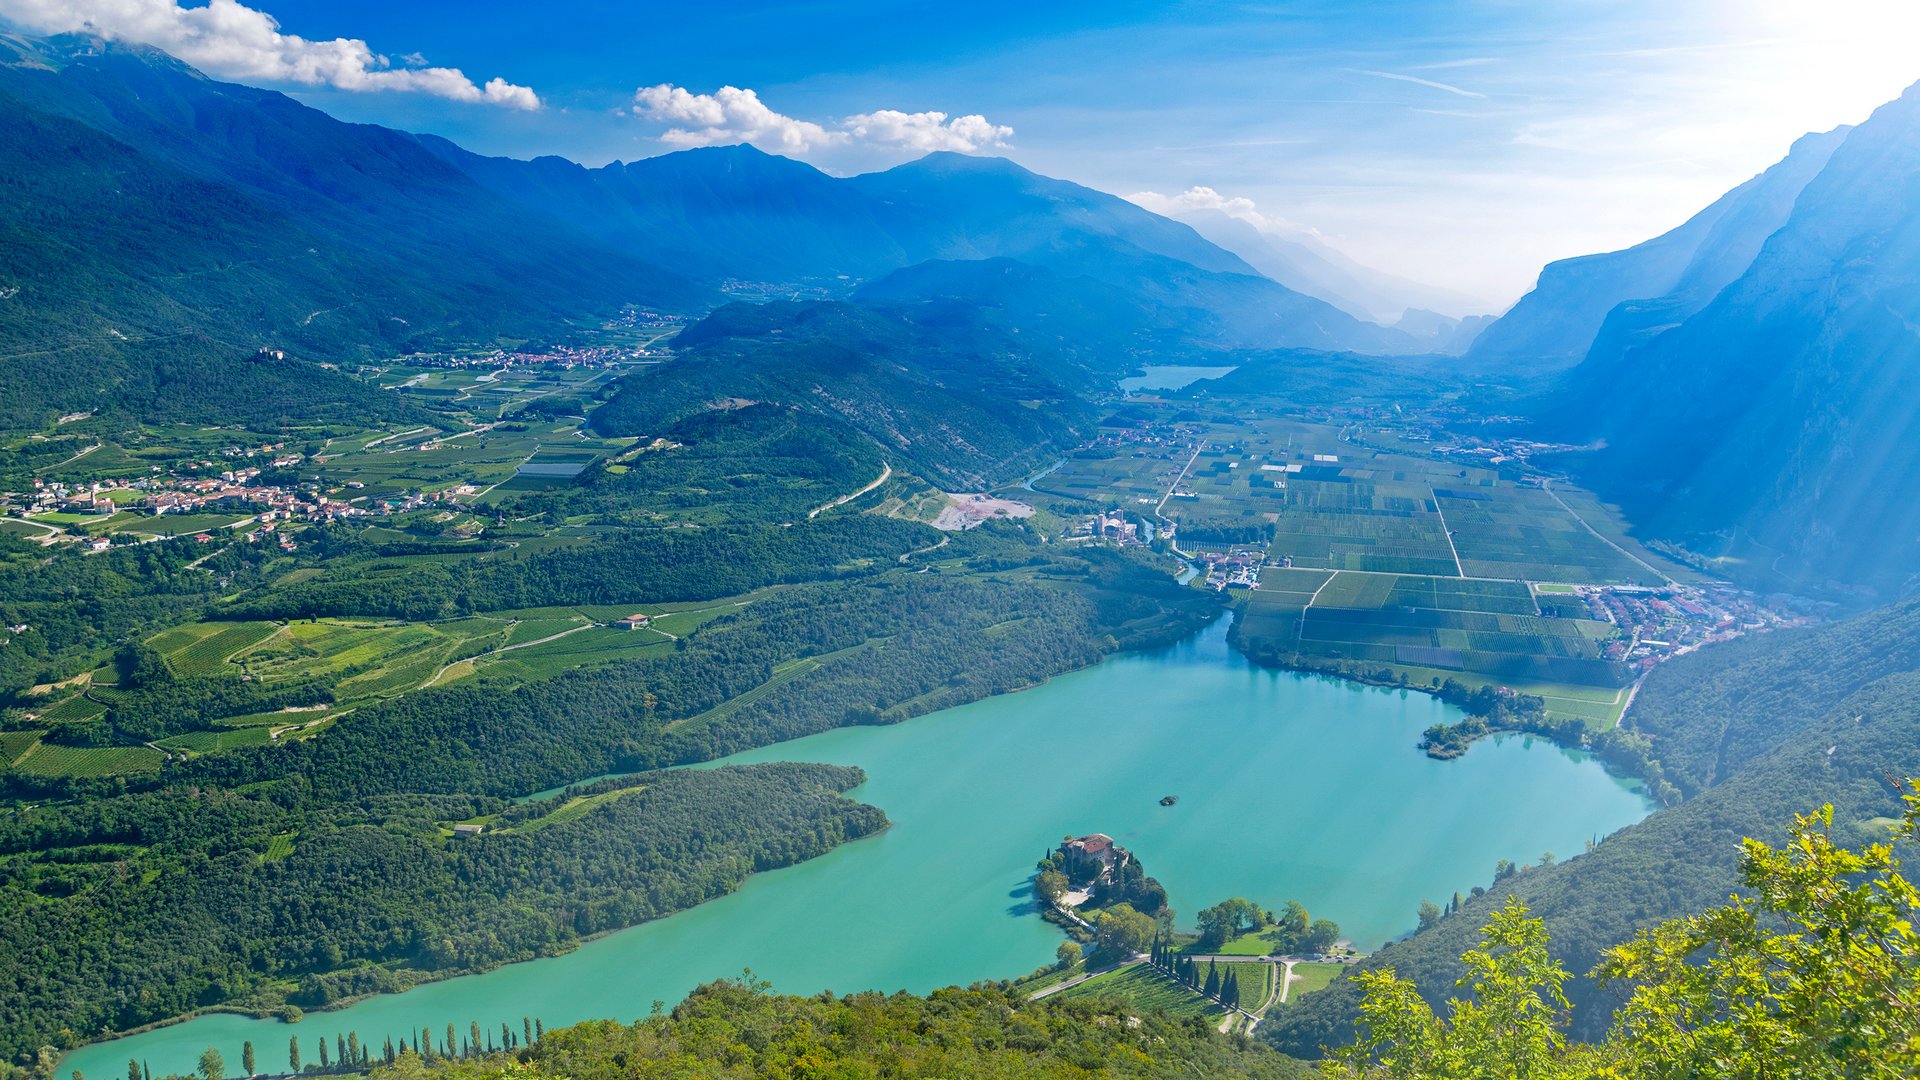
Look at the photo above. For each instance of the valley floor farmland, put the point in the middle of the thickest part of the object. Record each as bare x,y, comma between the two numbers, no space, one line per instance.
1351,546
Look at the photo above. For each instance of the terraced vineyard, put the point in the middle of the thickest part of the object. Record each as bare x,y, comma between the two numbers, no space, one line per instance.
1145,988
209,655
74,710
15,744
45,760
206,742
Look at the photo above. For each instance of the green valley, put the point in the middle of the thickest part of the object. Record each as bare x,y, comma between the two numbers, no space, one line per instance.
467,614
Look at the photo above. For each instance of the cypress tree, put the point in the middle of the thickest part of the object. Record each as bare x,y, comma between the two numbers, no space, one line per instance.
353,1048
133,1069
474,1036
1212,987
1230,993
293,1053
323,1051
246,1057
526,1025
539,1030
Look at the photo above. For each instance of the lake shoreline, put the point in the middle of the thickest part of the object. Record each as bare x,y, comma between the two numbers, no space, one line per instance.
274,1012
978,774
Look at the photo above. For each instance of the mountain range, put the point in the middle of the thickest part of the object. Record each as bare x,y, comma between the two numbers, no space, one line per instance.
160,221
736,213
1750,381
1741,383
160,226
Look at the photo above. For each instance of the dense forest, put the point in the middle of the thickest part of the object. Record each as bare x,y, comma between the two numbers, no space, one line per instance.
739,1029
957,402
643,567
356,896
1807,972
761,463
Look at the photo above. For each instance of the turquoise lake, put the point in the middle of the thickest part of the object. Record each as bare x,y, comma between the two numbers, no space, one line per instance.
1289,786
1170,377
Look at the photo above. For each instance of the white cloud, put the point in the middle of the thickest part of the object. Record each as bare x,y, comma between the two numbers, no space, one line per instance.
928,131
228,39
732,115
729,115
1206,198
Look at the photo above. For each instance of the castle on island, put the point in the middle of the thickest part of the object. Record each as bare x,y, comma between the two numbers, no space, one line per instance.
1093,858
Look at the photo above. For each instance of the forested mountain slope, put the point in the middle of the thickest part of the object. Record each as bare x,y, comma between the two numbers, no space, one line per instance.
1784,411
961,403
714,212
1812,730
157,219
421,907
158,317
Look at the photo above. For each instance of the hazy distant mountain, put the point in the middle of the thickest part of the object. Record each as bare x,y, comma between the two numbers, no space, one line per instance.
1442,333
738,213
157,221
1784,407
1303,264
1662,280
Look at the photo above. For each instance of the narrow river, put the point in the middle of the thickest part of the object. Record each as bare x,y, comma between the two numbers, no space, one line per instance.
1289,786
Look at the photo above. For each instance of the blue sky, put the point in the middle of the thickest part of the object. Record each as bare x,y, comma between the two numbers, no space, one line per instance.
1459,143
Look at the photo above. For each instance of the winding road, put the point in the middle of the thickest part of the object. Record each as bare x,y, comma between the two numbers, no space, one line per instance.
886,471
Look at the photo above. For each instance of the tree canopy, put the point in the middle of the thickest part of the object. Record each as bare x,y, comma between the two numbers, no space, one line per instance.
1814,972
